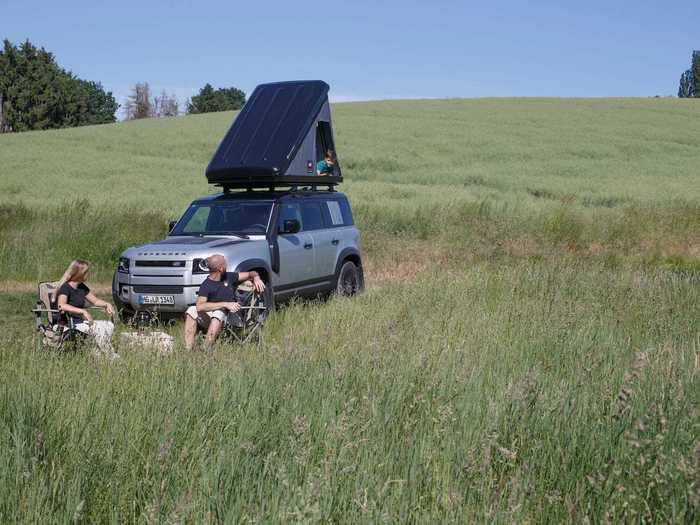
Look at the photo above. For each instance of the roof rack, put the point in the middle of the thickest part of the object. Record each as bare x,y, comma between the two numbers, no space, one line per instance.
280,183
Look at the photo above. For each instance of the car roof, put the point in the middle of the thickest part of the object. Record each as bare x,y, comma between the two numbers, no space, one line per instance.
267,195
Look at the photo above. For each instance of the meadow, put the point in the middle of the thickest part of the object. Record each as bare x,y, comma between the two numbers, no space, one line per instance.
528,348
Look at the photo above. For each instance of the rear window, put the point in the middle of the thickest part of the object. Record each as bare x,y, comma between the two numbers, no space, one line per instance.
346,211
336,213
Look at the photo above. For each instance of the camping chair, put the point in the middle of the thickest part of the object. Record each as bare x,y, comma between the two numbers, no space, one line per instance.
54,330
246,324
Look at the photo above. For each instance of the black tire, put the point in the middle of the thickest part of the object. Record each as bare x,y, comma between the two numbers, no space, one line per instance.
349,280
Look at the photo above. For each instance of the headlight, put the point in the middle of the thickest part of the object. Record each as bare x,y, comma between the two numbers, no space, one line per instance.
200,266
123,266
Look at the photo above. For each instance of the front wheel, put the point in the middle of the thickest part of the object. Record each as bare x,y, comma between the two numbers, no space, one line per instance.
349,280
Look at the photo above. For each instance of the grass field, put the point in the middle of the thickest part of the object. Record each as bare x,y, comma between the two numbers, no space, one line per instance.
528,349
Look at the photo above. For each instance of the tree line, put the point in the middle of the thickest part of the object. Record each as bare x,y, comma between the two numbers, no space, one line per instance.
141,104
690,79
36,93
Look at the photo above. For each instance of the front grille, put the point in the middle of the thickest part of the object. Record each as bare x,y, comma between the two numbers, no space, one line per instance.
158,289
161,264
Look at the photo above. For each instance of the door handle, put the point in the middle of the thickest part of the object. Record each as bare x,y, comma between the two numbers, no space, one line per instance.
335,242
308,246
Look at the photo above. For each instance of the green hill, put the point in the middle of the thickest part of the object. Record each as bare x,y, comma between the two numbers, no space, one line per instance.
602,151
413,168
526,351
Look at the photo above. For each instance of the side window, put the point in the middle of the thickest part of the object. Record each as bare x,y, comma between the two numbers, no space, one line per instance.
311,216
289,211
346,211
332,214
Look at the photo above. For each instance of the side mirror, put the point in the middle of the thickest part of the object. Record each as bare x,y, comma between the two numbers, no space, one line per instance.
171,225
290,226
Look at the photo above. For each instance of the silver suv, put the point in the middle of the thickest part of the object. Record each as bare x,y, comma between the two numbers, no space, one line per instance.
303,244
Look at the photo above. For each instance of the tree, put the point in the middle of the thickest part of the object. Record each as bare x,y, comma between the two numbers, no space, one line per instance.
35,93
101,106
223,99
140,104
690,79
686,87
166,105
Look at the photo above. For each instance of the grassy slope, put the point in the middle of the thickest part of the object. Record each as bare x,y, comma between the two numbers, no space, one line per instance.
605,171
602,150
545,373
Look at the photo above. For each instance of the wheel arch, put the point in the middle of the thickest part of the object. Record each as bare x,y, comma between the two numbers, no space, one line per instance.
259,265
352,255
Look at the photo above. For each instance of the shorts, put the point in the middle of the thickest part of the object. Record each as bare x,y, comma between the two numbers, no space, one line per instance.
204,318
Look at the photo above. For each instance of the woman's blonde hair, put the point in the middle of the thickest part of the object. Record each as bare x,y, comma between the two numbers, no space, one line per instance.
77,271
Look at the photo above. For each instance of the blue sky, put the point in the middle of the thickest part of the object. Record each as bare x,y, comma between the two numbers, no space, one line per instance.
369,49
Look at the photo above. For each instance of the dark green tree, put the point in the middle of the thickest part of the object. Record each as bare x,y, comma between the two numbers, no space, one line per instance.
35,93
685,90
223,99
101,105
690,79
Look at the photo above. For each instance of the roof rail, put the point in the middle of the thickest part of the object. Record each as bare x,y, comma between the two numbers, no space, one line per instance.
305,185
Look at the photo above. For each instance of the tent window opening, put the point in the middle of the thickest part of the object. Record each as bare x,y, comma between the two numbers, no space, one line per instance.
324,142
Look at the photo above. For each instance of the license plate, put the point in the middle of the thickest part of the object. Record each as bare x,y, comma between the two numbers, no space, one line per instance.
157,299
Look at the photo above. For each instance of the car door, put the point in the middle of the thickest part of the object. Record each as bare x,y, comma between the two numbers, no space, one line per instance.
328,241
295,251
314,224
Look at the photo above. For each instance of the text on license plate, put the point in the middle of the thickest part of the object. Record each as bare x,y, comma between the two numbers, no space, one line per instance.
157,299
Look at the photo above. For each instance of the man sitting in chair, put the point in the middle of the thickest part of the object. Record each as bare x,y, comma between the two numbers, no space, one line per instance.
216,299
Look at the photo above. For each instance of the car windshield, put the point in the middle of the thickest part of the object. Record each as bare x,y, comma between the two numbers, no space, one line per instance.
225,218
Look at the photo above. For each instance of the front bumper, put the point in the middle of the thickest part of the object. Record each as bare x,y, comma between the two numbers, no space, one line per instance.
128,290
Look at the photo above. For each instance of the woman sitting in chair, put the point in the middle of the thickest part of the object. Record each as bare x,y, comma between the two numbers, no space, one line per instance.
71,296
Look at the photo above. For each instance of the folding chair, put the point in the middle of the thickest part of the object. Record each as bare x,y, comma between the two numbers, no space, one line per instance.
53,328
246,324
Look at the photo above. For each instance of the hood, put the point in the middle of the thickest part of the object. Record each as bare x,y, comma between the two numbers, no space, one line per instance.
183,246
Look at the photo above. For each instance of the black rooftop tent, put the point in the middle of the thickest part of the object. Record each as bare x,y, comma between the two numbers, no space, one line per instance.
278,137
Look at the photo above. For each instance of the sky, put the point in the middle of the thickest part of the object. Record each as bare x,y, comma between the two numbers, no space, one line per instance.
369,50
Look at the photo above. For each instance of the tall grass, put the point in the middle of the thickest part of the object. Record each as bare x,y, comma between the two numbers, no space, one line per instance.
527,349
532,392
36,244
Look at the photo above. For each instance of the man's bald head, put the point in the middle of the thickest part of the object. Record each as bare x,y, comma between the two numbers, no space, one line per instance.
216,263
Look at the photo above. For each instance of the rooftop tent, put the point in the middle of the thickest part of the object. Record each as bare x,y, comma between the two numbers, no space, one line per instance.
278,137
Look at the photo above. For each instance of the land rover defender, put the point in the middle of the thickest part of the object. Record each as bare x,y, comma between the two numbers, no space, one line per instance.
274,215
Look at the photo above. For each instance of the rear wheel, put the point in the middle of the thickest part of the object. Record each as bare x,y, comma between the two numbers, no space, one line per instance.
349,280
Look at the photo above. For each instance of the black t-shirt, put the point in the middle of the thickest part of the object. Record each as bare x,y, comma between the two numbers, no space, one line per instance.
75,297
222,291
